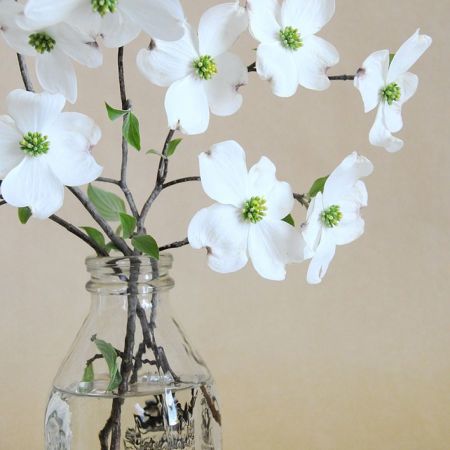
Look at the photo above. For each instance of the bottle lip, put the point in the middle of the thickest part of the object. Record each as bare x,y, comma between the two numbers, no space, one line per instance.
94,263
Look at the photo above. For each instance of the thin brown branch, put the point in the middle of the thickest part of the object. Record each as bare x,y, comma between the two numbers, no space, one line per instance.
77,232
176,244
24,73
108,180
180,180
303,199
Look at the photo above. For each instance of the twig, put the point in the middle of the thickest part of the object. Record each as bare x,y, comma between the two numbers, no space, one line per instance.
2,202
160,179
212,407
303,199
116,240
108,180
177,244
126,105
77,232
24,73
180,180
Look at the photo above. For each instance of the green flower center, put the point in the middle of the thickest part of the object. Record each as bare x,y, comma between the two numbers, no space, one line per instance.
42,42
391,93
254,209
290,38
205,67
34,144
331,216
104,6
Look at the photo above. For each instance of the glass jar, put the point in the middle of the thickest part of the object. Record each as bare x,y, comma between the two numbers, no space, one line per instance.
131,379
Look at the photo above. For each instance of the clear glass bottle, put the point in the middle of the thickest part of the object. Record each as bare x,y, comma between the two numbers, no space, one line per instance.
131,379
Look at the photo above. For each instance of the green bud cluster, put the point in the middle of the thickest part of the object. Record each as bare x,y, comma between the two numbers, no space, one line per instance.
205,67
391,93
104,6
35,144
41,42
254,209
290,38
331,216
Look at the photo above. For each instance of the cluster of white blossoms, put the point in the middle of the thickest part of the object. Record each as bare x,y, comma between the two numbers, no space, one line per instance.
43,149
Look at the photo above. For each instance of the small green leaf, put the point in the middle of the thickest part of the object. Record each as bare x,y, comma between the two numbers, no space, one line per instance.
96,235
88,376
317,186
146,244
108,204
289,219
110,355
113,113
130,130
128,225
154,152
111,246
24,214
391,57
172,146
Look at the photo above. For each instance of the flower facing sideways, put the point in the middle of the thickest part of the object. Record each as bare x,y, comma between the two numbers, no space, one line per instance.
334,215
54,47
42,149
388,85
199,71
290,53
247,220
117,22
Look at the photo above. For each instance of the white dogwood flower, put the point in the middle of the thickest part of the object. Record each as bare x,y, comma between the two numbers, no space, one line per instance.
42,149
199,71
334,216
290,53
53,47
247,220
388,85
117,22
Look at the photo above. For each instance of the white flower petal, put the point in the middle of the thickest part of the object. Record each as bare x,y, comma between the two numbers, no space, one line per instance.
264,18
271,245
308,16
163,62
49,12
34,112
347,232
224,175
220,230
380,136
322,258
187,106
220,27
343,179
71,160
15,37
116,29
78,46
56,74
10,153
393,116
408,83
371,78
76,123
263,183
313,60
277,65
33,184
222,90
156,17
408,54
312,228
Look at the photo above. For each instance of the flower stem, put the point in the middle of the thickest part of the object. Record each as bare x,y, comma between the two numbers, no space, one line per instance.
176,244
24,73
180,180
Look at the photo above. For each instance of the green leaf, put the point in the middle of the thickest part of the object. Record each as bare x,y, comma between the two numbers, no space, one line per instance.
24,214
146,244
290,220
96,235
88,376
130,130
154,152
391,57
317,186
172,146
113,113
110,355
110,246
128,225
109,205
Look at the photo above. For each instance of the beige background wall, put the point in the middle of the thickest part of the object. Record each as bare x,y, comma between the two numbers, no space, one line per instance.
361,362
